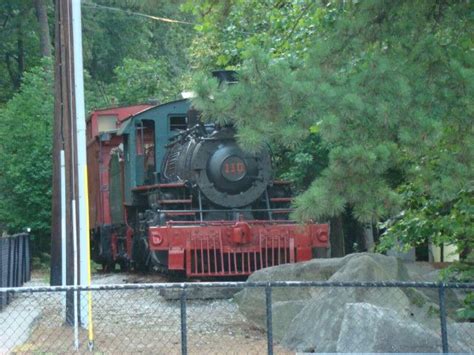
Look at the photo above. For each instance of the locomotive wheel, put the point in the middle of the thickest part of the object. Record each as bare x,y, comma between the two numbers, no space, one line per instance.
108,266
159,260
124,265
141,254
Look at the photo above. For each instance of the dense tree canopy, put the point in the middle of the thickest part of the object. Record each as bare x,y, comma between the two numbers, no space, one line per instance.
128,58
388,87
25,150
228,28
19,47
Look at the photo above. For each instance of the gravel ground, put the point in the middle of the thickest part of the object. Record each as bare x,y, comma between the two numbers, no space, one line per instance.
128,321
17,320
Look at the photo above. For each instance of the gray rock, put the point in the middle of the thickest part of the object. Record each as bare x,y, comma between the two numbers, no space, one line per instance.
251,301
197,293
368,328
310,319
282,314
319,320
425,272
461,333
405,256
317,326
370,267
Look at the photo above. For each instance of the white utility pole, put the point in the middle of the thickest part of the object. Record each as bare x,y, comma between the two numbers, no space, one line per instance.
81,154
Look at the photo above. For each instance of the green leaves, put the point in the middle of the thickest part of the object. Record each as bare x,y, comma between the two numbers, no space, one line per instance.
227,29
25,150
426,219
138,81
384,86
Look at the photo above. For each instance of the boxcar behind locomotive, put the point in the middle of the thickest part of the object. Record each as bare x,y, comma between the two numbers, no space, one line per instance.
183,196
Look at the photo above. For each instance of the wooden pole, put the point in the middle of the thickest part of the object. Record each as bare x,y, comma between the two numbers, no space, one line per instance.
64,139
55,277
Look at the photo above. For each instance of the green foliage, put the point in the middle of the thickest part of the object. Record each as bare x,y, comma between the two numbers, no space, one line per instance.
19,47
462,271
41,263
466,313
227,29
268,103
388,86
110,37
303,164
25,150
138,81
123,58
124,53
426,219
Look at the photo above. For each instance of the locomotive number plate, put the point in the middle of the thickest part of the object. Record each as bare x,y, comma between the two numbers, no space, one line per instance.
233,168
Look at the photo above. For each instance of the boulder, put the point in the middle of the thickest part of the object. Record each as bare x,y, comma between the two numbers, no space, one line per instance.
310,318
366,328
425,272
317,326
461,333
199,293
353,267
370,267
251,301
281,313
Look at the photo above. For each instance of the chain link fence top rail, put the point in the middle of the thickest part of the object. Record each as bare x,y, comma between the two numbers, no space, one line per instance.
15,263
174,318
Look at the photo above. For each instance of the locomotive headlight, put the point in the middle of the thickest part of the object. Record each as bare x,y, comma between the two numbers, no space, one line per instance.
230,169
227,175
233,168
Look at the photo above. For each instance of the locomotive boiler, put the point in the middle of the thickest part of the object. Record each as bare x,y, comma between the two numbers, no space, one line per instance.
181,196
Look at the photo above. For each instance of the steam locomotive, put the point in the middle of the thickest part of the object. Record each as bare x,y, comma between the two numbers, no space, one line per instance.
174,194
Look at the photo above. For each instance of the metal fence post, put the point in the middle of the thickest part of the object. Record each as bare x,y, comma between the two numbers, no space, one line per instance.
268,303
184,330
442,317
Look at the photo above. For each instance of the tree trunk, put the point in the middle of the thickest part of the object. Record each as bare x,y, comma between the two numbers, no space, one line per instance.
18,57
337,237
14,78
369,237
42,17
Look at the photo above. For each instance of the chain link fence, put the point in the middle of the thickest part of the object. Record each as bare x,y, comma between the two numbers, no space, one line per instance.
15,264
237,317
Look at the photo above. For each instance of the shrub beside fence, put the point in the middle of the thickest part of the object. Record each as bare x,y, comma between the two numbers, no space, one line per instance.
15,263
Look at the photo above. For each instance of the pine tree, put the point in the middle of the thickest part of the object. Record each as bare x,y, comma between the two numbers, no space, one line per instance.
388,87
